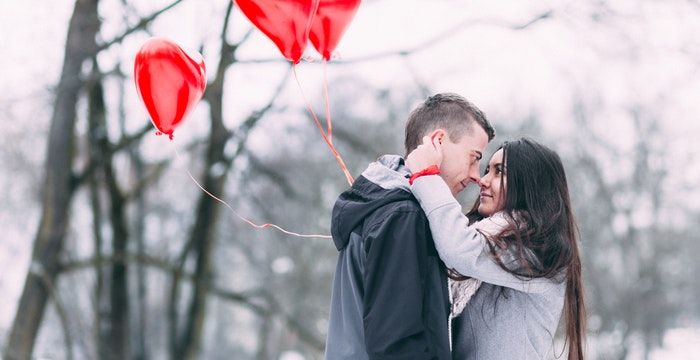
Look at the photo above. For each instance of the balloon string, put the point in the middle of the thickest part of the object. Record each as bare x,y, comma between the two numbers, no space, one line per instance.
267,225
323,133
329,121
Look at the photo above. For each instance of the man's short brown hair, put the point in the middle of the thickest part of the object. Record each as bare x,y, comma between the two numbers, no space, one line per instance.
447,111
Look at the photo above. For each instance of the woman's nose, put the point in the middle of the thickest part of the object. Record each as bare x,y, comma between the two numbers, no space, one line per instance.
483,182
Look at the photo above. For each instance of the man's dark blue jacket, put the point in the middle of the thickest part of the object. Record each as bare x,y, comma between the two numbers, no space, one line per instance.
390,297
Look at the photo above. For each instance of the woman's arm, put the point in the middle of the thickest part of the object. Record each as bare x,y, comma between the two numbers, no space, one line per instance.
462,247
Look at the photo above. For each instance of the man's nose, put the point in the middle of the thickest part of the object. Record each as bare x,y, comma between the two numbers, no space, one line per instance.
474,174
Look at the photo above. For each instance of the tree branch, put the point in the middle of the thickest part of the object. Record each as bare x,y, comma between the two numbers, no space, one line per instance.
139,26
250,299
243,130
60,309
273,175
157,169
305,334
76,265
357,143
440,38
126,141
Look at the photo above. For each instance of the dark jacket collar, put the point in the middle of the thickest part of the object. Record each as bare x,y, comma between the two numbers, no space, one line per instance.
384,181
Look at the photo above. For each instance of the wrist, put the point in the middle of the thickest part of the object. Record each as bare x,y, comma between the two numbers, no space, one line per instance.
430,170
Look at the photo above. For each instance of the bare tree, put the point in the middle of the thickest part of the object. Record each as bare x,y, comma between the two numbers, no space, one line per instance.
58,187
116,345
620,252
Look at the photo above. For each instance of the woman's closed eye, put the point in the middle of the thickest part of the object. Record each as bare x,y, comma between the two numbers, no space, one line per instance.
498,170
475,159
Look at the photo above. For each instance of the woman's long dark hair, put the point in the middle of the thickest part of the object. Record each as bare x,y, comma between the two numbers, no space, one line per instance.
541,221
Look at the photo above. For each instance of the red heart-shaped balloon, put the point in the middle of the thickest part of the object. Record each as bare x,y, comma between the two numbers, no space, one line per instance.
169,82
285,22
329,24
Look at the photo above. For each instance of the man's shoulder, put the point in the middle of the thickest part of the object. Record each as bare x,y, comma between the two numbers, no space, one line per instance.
399,206
408,208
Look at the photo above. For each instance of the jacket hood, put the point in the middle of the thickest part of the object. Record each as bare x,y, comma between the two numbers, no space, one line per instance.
383,182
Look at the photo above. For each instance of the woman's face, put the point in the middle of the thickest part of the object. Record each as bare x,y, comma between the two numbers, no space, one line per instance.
492,198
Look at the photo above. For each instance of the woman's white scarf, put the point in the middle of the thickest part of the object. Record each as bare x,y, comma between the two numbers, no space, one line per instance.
461,291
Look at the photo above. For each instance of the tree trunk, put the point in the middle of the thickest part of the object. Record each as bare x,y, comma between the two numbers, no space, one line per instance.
118,329
119,292
96,131
201,241
57,188
140,351
204,233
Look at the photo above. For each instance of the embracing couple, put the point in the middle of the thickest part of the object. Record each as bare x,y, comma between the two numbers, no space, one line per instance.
418,279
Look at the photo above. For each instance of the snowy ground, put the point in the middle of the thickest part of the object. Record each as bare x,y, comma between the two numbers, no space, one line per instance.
679,344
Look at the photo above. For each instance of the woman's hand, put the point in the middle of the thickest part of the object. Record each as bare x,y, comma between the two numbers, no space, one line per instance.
427,154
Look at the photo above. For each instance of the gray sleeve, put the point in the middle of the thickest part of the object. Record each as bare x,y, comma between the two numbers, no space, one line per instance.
462,247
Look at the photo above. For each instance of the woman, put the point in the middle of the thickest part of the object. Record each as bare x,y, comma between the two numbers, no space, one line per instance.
519,240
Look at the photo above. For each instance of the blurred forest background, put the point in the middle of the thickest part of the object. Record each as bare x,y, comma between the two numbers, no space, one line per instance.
110,251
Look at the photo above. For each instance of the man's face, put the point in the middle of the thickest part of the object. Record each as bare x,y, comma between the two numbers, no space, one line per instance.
460,164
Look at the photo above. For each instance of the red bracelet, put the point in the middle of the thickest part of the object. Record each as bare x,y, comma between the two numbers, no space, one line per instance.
430,170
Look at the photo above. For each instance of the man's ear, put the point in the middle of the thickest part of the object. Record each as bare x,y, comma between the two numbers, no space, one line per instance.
439,134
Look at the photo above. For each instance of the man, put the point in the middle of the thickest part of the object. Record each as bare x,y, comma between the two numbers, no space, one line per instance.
390,297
